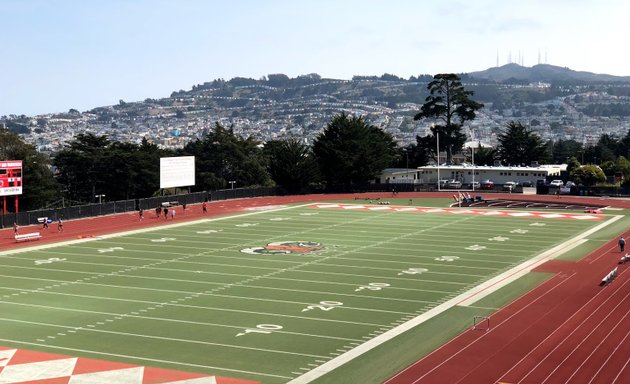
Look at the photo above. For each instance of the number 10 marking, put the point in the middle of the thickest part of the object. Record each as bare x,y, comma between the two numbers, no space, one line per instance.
261,328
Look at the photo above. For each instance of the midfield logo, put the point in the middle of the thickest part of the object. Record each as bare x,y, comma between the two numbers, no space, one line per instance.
285,247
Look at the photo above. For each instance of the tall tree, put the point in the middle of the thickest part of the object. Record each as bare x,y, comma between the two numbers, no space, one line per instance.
82,164
221,157
588,175
425,149
351,151
520,146
564,149
483,155
39,187
291,164
451,105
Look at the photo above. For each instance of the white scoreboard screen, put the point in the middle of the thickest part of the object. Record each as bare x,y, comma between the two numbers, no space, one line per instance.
177,171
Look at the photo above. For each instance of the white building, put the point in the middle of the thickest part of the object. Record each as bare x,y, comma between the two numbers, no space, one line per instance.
467,173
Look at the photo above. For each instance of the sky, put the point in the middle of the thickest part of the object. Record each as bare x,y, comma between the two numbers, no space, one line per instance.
82,54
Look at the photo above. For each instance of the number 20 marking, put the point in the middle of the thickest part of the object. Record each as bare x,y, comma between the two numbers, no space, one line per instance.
323,305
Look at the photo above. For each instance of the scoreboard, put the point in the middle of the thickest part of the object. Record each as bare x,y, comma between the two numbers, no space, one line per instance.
10,177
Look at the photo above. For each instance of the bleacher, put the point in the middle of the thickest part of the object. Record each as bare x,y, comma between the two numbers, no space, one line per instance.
28,237
609,277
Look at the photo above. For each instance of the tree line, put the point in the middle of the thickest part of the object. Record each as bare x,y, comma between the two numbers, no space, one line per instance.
349,150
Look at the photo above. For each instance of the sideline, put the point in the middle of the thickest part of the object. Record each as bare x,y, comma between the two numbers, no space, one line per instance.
144,230
466,298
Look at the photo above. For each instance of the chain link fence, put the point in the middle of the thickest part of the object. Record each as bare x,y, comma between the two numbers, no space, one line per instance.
122,206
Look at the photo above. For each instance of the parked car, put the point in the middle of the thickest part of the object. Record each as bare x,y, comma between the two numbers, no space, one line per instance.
527,184
570,184
474,185
556,183
454,184
509,185
487,184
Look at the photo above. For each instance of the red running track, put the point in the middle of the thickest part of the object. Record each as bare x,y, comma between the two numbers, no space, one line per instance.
567,330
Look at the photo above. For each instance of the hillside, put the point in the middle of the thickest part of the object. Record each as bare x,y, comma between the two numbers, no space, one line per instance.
544,73
555,99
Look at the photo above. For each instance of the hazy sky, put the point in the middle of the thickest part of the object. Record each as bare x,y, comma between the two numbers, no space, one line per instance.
62,54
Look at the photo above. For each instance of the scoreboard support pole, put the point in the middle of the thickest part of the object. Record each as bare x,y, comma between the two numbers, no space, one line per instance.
16,204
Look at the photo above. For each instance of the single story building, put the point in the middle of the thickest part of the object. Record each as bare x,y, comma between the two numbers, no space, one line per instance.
467,173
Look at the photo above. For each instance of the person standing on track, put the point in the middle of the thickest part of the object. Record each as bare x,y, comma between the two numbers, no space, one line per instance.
204,208
15,228
622,244
60,225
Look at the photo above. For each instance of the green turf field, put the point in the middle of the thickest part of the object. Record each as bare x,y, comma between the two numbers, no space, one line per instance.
264,295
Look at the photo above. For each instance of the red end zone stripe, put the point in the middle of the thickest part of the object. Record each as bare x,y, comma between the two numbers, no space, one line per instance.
24,366
463,211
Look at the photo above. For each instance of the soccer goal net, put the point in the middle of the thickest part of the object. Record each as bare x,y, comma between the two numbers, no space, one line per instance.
481,323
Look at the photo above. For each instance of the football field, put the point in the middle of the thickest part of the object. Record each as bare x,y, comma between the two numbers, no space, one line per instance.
267,295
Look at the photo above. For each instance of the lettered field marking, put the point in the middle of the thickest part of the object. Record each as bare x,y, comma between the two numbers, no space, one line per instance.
507,213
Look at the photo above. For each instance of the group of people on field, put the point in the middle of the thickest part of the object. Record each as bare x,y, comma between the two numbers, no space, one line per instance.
165,211
16,227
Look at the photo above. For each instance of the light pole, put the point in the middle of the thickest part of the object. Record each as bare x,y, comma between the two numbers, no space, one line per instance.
100,197
407,162
232,182
406,157
437,136
472,148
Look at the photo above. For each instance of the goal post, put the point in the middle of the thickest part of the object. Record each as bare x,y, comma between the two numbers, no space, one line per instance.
481,323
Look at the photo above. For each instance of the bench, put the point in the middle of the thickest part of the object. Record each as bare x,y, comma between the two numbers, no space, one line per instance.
28,237
609,277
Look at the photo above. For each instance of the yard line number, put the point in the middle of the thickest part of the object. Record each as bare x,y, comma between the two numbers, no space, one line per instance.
49,260
413,271
372,287
324,306
260,328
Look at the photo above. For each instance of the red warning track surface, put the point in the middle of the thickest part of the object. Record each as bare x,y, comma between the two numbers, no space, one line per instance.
568,330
